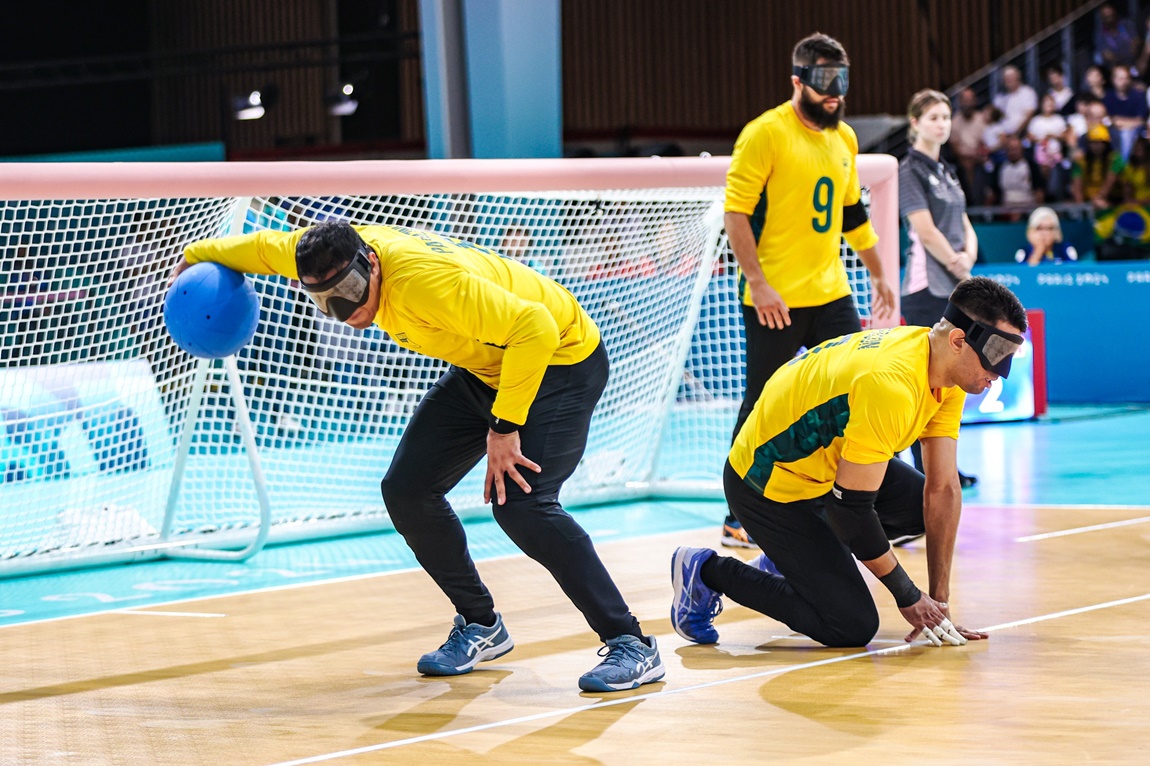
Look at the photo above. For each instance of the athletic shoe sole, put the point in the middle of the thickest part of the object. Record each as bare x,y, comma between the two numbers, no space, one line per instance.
731,541
431,668
593,684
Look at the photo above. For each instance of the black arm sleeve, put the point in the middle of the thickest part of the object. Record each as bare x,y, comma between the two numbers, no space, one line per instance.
852,516
854,216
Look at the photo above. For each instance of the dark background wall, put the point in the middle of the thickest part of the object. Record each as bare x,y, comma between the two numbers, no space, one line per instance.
151,72
709,67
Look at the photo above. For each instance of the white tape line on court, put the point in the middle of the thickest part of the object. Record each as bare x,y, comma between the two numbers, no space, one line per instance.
1080,530
680,690
170,614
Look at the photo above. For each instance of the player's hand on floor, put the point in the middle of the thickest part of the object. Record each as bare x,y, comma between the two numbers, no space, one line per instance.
503,460
928,617
969,635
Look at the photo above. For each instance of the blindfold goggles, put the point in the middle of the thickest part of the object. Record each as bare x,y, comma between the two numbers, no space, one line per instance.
341,294
825,79
995,348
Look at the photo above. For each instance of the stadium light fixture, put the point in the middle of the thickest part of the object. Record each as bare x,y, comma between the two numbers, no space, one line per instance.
341,101
254,105
249,107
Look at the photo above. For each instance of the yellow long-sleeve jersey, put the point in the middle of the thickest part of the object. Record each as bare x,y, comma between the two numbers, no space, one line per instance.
862,397
451,300
794,183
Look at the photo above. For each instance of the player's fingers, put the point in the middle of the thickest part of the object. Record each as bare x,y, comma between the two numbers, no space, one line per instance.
972,635
785,314
912,635
518,479
947,632
487,484
500,490
932,636
529,463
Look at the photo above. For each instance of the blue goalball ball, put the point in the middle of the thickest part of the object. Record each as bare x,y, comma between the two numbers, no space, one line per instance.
211,311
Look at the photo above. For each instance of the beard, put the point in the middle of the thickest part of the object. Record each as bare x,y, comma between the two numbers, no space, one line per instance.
814,111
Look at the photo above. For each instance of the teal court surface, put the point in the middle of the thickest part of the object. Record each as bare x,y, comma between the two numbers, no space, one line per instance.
1086,457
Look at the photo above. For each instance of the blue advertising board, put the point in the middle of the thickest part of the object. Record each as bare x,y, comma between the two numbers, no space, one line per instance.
1097,347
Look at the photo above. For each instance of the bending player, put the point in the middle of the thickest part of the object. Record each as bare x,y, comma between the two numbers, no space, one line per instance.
814,477
792,195
528,369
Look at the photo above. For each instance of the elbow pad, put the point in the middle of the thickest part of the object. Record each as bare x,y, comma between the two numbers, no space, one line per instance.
851,514
854,216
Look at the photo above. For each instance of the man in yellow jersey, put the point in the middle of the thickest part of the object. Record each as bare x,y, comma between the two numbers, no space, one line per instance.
528,369
812,475
792,194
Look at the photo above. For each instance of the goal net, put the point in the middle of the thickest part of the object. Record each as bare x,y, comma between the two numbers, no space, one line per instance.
116,446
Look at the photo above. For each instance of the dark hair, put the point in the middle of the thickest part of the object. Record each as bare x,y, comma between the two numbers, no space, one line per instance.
819,46
326,247
989,302
1056,68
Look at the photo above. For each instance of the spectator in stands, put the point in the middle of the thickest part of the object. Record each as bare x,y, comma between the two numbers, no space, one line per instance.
1017,180
1044,238
1094,82
1126,105
967,128
993,135
1135,174
1095,172
1047,132
1089,112
1058,89
1116,42
1017,101
943,245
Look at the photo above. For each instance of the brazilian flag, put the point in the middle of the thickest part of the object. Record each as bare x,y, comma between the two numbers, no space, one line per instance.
1125,224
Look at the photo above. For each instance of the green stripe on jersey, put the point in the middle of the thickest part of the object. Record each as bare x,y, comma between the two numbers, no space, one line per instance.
815,430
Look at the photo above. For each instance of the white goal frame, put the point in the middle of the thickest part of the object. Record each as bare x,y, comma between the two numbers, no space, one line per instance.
241,182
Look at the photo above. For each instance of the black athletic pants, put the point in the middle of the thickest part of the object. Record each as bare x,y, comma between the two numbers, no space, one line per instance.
447,437
820,592
768,350
922,309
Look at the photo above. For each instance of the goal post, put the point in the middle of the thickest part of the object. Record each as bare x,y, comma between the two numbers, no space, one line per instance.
100,461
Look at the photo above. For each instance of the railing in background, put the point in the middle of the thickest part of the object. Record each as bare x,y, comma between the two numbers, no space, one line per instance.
1068,43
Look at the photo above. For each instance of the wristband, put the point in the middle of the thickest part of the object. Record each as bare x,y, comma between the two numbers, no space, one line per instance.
898,582
501,426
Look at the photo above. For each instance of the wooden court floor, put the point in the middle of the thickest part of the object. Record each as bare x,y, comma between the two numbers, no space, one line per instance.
325,673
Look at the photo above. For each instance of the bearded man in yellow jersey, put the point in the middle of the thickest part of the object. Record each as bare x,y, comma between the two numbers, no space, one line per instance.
814,477
528,369
792,194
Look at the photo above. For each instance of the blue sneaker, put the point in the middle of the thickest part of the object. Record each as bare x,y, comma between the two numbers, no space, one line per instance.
696,606
628,663
764,564
466,646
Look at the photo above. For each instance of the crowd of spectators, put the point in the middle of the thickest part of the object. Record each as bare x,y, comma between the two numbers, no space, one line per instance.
1034,144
